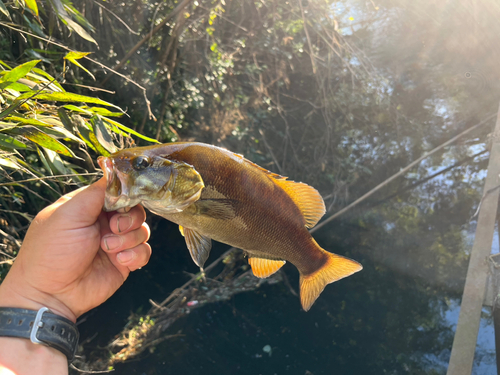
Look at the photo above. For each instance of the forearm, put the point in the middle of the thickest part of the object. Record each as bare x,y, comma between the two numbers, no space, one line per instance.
22,357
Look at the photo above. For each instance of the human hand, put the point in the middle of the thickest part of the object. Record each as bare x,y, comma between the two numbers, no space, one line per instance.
75,256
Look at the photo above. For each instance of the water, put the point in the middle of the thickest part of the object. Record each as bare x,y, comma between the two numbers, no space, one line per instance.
435,73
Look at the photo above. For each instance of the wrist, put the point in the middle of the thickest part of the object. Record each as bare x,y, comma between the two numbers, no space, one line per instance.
10,296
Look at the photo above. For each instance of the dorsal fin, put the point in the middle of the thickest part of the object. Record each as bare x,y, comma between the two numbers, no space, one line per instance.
307,199
263,268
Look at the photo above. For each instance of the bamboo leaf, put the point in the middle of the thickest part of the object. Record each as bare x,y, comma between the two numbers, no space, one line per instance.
4,10
103,134
27,121
11,142
101,150
75,55
58,6
46,141
31,4
16,73
10,109
68,124
4,162
49,77
130,131
44,160
66,97
80,66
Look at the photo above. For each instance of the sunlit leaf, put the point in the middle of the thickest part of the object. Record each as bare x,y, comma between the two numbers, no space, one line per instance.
101,150
49,77
4,162
102,134
130,131
31,4
45,163
16,73
46,141
74,108
66,97
27,121
75,55
4,10
58,6
11,142
105,112
80,66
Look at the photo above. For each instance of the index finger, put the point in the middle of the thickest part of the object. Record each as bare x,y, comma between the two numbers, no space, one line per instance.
125,222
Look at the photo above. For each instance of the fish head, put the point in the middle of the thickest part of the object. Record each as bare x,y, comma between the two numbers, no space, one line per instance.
133,176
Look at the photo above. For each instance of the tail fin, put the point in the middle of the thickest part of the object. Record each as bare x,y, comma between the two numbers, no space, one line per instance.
336,267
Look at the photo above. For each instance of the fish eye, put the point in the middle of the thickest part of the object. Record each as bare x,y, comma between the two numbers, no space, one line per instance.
140,162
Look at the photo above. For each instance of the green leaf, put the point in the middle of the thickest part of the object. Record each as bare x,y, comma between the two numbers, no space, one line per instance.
80,66
101,150
66,97
58,6
49,77
44,160
46,141
102,134
11,142
16,73
75,55
27,121
68,124
4,162
130,131
10,109
31,4
104,112
4,10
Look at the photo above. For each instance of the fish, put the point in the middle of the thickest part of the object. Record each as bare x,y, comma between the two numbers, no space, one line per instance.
215,194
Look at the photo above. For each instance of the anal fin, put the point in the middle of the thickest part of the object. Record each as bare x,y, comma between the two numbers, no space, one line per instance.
199,246
263,268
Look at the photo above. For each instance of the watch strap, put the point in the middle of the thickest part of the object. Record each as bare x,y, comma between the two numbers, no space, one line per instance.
41,327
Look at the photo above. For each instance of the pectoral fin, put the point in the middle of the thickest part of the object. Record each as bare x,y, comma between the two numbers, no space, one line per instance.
198,245
263,268
216,208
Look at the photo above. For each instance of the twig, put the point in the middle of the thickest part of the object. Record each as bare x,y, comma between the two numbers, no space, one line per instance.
48,178
138,45
308,38
401,172
118,18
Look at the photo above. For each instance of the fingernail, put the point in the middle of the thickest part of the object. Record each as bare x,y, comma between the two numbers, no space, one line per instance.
124,222
126,256
112,242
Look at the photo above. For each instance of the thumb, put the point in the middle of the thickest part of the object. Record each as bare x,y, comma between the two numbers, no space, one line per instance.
82,206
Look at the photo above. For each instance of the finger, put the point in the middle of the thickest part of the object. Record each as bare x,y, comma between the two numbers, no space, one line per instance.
82,206
125,222
135,258
114,243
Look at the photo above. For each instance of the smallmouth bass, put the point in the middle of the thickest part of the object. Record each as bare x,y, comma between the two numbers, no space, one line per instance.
212,193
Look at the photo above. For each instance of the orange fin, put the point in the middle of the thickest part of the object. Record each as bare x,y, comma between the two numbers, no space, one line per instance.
337,267
265,267
198,245
306,198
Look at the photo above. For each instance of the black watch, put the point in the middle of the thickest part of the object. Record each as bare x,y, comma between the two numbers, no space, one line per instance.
41,327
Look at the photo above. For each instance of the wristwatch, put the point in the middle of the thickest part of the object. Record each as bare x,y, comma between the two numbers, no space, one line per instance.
41,327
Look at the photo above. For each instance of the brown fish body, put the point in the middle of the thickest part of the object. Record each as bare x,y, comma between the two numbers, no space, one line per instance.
250,208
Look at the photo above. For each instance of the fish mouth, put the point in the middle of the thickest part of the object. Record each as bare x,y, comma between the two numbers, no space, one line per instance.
116,197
